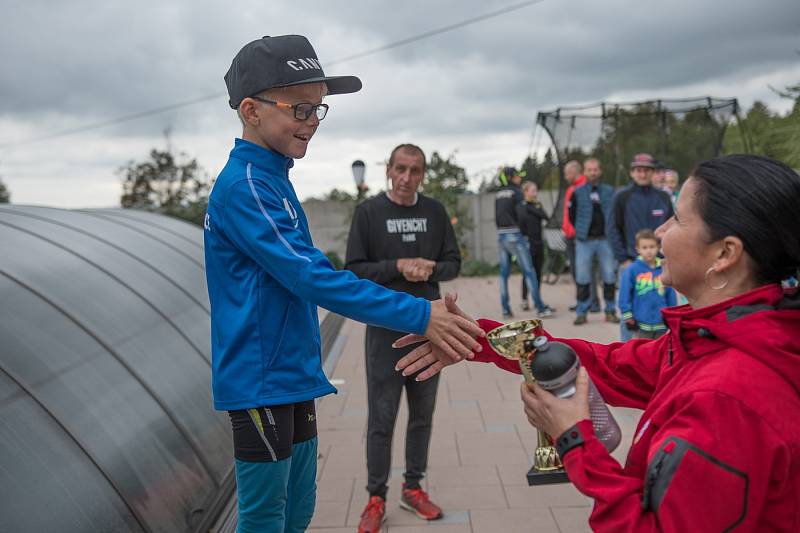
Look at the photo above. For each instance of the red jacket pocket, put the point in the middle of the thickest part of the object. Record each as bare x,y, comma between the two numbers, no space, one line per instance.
690,490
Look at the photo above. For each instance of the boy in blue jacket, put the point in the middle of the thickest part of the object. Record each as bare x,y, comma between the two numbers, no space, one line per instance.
265,280
642,295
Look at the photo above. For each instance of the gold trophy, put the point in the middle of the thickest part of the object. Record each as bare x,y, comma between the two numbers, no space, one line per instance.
516,341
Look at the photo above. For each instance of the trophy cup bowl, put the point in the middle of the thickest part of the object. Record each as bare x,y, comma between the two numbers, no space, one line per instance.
515,341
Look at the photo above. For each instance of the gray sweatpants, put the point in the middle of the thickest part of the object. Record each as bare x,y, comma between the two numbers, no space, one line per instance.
384,389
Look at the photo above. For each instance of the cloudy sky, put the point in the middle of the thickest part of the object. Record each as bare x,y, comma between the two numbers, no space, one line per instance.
474,91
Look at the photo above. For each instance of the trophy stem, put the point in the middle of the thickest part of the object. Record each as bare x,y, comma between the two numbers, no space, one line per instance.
546,458
516,341
525,367
547,467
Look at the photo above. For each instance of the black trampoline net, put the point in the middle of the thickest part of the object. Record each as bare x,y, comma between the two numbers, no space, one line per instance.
679,133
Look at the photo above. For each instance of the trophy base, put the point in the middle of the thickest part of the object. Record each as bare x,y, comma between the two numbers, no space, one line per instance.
535,477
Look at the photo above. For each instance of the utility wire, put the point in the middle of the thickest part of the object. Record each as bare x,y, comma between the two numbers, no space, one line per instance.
438,31
179,105
118,120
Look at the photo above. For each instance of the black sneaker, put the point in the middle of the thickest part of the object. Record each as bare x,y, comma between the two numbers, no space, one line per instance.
580,320
508,314
525,306
572,308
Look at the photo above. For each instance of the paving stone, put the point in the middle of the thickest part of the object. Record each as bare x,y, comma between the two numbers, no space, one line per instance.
459,476
513,521
572,519
481,444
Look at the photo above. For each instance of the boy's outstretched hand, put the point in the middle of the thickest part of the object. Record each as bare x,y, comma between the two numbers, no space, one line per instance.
452,338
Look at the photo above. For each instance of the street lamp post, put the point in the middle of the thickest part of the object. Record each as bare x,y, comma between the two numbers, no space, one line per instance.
359,170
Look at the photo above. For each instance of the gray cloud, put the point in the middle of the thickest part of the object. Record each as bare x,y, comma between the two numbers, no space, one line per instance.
67,64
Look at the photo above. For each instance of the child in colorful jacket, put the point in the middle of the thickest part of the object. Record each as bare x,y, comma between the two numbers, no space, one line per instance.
642,295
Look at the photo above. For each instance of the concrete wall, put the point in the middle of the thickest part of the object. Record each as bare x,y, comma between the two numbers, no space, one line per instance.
329,224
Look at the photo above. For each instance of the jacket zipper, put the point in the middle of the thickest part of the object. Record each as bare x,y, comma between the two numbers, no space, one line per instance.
670,350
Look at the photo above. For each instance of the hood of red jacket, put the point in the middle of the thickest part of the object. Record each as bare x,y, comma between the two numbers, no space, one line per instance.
764,323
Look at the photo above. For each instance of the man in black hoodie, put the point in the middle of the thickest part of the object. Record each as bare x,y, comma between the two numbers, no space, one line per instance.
511,243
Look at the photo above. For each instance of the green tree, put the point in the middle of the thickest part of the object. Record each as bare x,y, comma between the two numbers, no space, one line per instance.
544,173
5,195
679,138
337,195
764,132
753,130
175,186
446,181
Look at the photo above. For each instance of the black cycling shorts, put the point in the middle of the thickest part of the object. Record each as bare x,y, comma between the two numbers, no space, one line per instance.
266,434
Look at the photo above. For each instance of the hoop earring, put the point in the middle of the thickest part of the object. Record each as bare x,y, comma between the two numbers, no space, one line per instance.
712,287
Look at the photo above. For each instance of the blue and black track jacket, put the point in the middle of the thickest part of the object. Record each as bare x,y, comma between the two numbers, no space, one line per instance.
265,281
642,295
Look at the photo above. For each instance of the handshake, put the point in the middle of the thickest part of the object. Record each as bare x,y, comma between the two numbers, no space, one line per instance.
416,269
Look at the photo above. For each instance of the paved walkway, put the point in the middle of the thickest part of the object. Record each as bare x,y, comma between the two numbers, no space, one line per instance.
481,445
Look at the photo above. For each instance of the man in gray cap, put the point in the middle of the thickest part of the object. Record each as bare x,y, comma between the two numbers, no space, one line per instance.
266,279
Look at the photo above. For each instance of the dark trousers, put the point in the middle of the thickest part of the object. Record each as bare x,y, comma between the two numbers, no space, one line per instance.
384,389
537,257
595,273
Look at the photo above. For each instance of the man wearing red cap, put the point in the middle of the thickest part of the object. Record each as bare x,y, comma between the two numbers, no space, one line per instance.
636,207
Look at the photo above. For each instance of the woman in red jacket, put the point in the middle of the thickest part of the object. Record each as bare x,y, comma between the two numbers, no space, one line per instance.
718,445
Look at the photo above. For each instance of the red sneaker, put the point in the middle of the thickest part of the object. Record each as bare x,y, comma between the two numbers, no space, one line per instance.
417,501
373,516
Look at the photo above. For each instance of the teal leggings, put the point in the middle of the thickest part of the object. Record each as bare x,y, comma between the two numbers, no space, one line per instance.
278,497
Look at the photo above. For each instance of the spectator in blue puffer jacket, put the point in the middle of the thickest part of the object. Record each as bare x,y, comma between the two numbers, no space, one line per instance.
589,208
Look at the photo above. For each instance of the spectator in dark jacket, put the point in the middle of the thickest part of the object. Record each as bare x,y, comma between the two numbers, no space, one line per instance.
531,214
636,207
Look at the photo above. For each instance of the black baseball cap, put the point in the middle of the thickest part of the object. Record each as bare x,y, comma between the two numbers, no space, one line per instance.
280,61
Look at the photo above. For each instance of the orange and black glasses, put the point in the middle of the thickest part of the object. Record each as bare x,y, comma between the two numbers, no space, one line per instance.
302,111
